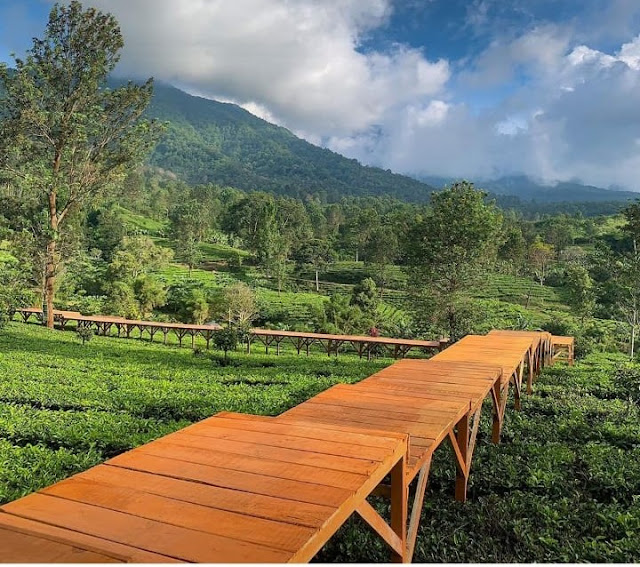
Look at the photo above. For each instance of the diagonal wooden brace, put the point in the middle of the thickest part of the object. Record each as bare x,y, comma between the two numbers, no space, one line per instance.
463,444
416,508
384,530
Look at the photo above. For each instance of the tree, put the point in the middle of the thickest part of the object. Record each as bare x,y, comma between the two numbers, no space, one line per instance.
13,290
239,303
451,248
149,293
514,247
188,229
136,256
64,137
365,297
226,339
317,254
381,250
628,279
581,292
188,302
540,256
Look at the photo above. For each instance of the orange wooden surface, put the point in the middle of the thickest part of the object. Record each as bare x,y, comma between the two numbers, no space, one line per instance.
239,488
388,341
227,489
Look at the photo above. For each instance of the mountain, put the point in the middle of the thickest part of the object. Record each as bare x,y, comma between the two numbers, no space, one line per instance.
526,189
210,141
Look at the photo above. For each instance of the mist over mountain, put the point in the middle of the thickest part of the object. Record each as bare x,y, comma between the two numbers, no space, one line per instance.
529,190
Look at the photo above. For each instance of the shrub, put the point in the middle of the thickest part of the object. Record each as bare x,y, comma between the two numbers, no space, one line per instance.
84,333
226,339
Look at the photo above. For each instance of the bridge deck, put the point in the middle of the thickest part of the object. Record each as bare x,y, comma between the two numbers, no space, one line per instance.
227,489
364,345
256,489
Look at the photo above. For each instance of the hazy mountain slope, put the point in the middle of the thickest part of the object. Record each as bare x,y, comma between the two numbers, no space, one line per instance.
209,141
527,189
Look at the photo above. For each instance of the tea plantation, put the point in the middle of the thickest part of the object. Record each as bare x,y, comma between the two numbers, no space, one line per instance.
65,407
564,484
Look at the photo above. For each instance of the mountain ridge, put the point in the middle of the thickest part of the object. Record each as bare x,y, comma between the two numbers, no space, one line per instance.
217,142
530,191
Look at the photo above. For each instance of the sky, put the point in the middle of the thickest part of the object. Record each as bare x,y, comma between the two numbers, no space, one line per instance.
455,88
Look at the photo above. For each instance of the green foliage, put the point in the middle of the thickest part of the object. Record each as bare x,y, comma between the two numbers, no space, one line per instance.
14,292
450,249
226,339
365,296
65,140
188,302
84,333
580,290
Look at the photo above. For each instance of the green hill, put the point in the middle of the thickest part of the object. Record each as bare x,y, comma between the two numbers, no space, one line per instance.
209,141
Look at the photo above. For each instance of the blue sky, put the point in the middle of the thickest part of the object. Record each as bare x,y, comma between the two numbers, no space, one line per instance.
473,88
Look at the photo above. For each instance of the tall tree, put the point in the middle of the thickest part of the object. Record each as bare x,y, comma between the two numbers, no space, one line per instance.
64,137
629,273
450,249
580,289
316,253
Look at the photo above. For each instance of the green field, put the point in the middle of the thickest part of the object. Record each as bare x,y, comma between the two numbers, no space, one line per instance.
562,485
65,407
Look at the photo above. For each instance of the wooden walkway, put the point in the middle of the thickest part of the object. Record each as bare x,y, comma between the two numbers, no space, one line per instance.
239,488
302,342
563,349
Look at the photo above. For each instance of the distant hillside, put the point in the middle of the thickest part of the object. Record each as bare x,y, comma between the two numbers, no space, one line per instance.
526,189
209,141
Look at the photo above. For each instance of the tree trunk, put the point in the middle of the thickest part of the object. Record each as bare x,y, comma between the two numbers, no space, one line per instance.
51,266
49,283
317,283
633,340
356,254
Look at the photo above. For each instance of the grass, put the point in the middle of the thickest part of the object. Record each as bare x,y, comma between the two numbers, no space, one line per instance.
562,486
65,407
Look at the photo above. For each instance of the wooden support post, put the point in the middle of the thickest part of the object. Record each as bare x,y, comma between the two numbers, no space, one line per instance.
518,385
399,507
496,396
462,476
530,376
416,508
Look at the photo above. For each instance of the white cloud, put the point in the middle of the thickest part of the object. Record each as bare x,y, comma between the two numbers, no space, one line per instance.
557,107
294,62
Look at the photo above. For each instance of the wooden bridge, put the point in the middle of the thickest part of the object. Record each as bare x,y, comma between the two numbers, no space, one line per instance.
363,345
241,488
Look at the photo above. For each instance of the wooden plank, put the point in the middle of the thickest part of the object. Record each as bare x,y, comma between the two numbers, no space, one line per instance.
392,411
332,448
274,454
271,424
90,543
157,537
232,500
35,549
139,503
326,414
251,482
